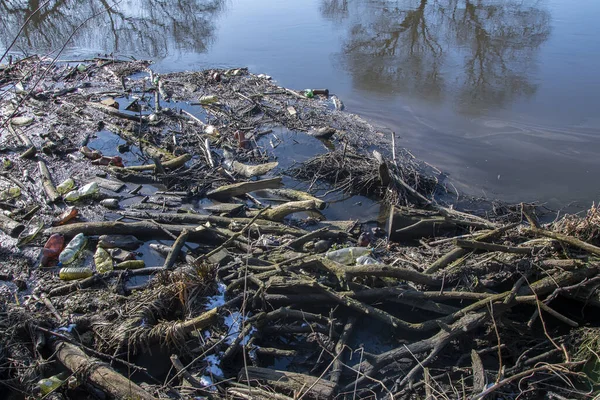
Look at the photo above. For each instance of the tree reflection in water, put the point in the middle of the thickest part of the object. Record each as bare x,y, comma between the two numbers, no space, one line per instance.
149,28
475,54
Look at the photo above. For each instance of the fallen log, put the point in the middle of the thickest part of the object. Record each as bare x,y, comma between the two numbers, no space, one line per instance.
238,189
249,171
98,373
296,195
141,228
281,211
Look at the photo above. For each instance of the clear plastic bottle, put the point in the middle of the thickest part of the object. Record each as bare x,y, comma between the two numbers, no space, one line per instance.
103,260
73,273
111,204
69,254
208,99
32,230
52,249
366,260
66,186
88,190
348,255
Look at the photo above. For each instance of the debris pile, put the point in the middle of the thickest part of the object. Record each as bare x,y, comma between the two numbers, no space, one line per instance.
166,236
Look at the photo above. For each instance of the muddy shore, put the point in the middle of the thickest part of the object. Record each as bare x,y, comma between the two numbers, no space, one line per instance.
229,238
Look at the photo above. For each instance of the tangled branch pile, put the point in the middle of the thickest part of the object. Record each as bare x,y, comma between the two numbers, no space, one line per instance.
245,293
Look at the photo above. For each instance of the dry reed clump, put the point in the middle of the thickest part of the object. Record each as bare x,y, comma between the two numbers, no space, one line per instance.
586,228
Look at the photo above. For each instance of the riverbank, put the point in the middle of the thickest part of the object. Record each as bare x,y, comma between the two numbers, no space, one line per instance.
197,208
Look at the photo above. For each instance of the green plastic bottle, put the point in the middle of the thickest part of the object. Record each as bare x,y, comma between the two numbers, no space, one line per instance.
66,186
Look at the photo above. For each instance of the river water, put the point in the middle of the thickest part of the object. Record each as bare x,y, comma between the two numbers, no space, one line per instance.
502,95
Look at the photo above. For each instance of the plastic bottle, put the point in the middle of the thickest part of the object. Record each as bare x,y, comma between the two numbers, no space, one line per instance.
366,260
103,261
69,254
52,249
85,191
32,230
348,255
72,273
309,93
66,186
111,204
66,216
208,99
10,193
47,385
131,264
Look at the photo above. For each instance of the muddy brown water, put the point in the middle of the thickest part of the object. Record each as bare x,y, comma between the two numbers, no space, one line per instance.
500,94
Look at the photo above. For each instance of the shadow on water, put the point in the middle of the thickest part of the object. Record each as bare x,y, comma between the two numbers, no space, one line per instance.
477,54
149,27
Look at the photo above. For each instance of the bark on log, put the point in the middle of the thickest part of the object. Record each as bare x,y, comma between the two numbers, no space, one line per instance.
237,189
98,373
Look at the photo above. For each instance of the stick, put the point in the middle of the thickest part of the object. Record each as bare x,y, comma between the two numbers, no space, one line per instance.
176,249
590,248
47,184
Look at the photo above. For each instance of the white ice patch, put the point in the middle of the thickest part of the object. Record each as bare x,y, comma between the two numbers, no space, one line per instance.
213,365
218,299
233,322
206,380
